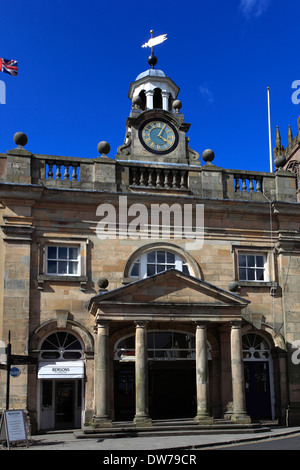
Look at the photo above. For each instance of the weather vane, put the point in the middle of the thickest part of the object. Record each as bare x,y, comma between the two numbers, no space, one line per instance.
152,60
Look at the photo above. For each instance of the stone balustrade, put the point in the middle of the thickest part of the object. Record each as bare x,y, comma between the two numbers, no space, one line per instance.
107,174
158,178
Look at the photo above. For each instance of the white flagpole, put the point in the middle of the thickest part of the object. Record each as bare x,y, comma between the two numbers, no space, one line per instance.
270,139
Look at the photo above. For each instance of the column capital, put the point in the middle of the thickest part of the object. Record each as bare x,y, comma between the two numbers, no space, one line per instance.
201,324
237,324
101,324
141,323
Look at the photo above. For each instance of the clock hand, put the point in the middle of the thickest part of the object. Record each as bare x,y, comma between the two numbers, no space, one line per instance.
158,135
162,138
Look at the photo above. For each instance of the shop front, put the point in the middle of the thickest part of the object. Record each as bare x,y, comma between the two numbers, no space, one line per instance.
61,371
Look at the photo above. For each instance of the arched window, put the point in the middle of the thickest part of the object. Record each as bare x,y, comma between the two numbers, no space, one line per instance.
154,262
61,345
157,99
161,346
142,95
255,347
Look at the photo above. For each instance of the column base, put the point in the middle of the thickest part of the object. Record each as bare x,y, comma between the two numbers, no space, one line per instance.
240,418
101,422
204,418
142,421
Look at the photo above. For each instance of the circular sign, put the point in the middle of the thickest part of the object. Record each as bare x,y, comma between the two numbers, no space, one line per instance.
15,372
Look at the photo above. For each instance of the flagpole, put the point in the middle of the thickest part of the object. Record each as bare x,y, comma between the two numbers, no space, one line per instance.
270,139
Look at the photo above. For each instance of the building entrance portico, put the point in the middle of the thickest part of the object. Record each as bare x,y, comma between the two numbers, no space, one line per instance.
152,308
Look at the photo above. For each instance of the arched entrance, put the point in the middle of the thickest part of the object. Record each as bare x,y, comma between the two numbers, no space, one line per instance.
60,374
171,375
258,369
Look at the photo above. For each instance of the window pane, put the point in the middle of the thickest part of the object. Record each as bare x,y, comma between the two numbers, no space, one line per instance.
260,262
50,355
72,355
242,260
73,253
73,267
51,267
180,341
151,257
135,271
170,258
161,257
160,268
150,269
51,252
251,260
242,274
62,252
260,274
185,269
250,275
62,267
163,340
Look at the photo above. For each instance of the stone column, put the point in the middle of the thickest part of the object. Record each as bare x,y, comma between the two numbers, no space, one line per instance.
203,416
101,418
149,99
165,100
141,376
237,370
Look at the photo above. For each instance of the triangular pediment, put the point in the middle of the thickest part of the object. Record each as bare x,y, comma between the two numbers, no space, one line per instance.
171,287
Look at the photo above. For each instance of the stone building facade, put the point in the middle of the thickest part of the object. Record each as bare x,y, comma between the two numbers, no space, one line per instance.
150,285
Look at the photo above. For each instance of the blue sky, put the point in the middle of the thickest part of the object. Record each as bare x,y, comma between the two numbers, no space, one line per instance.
78,58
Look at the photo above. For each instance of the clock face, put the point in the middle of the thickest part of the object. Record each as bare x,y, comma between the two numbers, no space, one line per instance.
158,136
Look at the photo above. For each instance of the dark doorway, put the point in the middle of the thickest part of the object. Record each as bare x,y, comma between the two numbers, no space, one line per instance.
257,387
124,391
172,390
64,401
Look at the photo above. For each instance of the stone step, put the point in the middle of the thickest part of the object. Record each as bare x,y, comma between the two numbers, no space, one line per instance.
169,428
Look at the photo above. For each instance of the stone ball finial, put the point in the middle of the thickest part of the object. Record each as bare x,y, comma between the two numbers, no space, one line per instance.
280,161
208,155
20,139
233,286
103,282
103,147
177,105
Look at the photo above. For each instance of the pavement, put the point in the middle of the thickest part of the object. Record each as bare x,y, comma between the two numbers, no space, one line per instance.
129,445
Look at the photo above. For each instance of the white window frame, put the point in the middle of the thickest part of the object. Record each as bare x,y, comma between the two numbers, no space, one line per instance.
57,259
269,264
253,268
142,263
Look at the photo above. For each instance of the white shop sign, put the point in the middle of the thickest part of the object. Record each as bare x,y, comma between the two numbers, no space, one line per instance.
12,427
61,370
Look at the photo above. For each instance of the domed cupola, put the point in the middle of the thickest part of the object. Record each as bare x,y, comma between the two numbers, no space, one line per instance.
156,129
155,90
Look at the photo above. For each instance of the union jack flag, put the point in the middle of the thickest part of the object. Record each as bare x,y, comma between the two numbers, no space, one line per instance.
9,66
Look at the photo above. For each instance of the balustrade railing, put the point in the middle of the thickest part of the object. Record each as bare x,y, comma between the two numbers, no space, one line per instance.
158,178
246,183
62,171
207,181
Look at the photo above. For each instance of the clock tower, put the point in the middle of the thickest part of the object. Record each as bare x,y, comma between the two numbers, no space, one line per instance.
156,129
